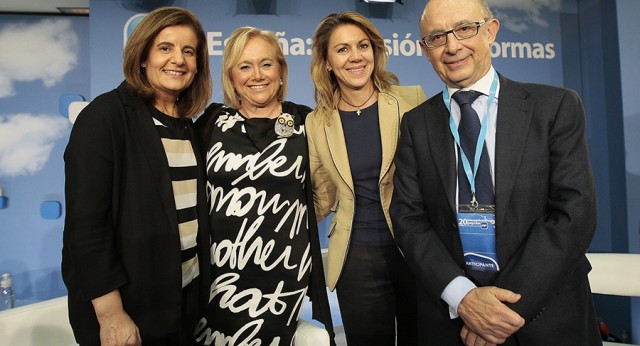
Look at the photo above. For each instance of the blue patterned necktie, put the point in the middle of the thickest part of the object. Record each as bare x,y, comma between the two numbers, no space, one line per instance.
469,128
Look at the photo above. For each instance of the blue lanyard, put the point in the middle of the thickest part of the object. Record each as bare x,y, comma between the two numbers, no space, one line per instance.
471,174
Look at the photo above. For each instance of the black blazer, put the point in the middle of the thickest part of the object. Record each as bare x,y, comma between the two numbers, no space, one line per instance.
121,228
545,213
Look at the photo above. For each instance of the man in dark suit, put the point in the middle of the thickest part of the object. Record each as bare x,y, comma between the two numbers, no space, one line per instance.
533,289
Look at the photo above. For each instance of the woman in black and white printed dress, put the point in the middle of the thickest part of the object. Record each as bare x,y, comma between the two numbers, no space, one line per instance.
265,247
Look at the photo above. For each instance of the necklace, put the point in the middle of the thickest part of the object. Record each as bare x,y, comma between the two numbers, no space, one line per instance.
358,111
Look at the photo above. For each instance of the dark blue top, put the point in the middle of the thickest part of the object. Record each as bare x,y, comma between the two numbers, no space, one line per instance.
364,148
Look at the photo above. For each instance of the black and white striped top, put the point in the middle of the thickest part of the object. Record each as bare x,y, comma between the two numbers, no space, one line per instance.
177,142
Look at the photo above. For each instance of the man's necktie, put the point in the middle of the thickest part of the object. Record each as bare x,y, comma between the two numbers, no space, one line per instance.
469,128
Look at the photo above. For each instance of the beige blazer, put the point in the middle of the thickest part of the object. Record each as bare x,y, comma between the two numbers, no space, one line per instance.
333,189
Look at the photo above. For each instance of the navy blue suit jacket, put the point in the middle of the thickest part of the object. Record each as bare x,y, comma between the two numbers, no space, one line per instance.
545,213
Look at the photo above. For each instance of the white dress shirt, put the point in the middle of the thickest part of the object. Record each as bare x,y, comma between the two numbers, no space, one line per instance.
460,286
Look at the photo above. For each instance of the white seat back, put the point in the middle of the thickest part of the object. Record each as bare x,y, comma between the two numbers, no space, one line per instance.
47,323
43,323
615,274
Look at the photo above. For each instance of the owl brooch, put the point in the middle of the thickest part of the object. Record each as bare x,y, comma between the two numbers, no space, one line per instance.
284,125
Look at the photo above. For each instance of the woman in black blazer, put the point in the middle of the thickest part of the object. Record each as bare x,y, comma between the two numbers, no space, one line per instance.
135,251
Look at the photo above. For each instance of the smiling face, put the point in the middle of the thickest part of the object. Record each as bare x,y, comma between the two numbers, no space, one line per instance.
459,63
256,76
171,62
350,57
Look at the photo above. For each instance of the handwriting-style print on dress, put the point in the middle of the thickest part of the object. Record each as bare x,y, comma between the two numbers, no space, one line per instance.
260,250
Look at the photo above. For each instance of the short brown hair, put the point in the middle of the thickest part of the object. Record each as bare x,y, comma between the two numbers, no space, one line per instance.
196,97
326,88
233,49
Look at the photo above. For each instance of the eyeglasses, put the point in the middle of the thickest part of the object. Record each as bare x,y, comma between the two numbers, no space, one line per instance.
461,32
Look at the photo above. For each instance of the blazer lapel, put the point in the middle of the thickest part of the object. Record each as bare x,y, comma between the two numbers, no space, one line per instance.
442,147
142,125
338,148
513,121
389,120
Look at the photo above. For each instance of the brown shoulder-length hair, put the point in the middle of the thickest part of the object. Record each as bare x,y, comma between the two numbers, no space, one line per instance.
195,98
233,50
326,88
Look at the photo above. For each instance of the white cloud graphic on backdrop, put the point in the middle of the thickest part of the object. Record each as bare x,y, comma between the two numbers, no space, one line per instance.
45,51
517,15
26,141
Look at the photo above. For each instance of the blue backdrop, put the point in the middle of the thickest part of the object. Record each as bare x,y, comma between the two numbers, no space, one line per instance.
534,41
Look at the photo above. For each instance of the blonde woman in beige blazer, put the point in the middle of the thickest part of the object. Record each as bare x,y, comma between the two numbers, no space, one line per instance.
352,136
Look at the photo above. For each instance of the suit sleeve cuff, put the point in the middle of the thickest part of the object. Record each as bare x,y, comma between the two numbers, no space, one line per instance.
454,292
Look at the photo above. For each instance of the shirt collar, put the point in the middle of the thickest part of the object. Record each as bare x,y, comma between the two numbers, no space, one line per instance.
483,85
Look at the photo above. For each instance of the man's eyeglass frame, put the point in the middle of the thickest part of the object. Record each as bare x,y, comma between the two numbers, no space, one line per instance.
453,31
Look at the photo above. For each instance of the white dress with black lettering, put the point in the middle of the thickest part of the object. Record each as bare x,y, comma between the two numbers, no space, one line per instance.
260,251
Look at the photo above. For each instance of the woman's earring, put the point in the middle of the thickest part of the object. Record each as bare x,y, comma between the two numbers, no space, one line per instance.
281,81
143,65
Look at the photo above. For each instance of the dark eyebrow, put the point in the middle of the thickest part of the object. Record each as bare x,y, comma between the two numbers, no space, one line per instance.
346,44
466,21
458,23
340,44
167,43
